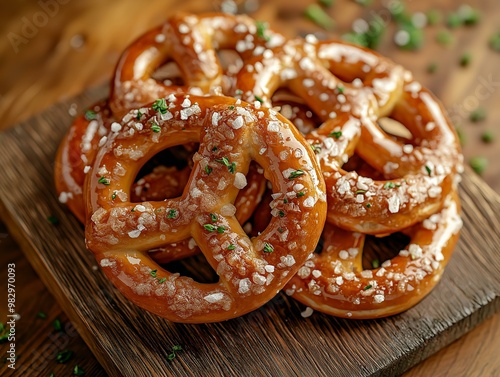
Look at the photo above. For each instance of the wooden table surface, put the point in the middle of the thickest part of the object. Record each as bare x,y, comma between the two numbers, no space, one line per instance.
54,49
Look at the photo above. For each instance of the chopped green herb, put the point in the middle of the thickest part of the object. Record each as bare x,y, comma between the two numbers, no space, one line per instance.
444,38
372,37
57,325
454,20
389,185
340,89
316,148
335,134
231,107
90,115
368,205
469,15
462,137
465,59
231,247
41,315
160,105
230,166
155,128
478,115
77,371
208,170
139,115
261,30
375,263
488,136
317,15
281,230
172,214
153,273
364,3
214,149
64,356
432,67
104,181
171,356
53,220
495,42
428,170
360,192
213,217
296,174
300,194
433,17
478,164
177,348
209,227
257,98
162,280
410,37
367,287
221,229
268,248
238,92
52,375
285,200
281,213
113,196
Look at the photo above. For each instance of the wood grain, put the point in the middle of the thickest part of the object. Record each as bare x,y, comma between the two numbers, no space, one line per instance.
51,68
268,339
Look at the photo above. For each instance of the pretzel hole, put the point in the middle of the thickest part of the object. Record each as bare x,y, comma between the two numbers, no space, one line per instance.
395,128
169,73
230,61
383,248
177,157
295,110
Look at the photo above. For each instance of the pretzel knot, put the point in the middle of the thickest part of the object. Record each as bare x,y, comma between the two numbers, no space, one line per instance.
231,134
350,88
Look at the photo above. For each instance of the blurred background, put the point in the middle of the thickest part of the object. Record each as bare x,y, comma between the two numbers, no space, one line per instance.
51,50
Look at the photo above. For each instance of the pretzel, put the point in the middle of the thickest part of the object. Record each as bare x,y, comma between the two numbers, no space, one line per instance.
334,281
192,42
231,133
421,174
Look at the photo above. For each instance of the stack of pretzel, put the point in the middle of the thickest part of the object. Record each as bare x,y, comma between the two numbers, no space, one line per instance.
251,161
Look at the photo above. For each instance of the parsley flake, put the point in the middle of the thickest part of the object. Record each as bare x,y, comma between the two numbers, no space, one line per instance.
57,325
478,115
257,98
428,170
367,287
296,174
340,89
139,115
317,15
208,170
172,214
162,280
281,213
221,229
104,181
160,105
316,148
213,217
335,134
90,115
478,164
113,196
261,30
368,205
53,220
153,273
389,185
155,128
231,247
375,263
268,248
209,227
487,137
300,194
64,356
42,315
78,371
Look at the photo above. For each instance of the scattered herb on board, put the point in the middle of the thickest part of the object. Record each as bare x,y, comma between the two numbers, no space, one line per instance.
487,136
433,17
41,315
432,67
369,38
465,59
53,220
375,263
318,15
78,371
57,325
326,3
477,115
478,164
495,42
444,38
64,356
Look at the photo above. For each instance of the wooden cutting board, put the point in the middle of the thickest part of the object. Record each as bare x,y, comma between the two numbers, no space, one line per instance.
274,340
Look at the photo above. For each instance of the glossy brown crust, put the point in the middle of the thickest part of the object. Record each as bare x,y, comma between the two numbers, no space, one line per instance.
77,151
119,233
421,174
335,283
